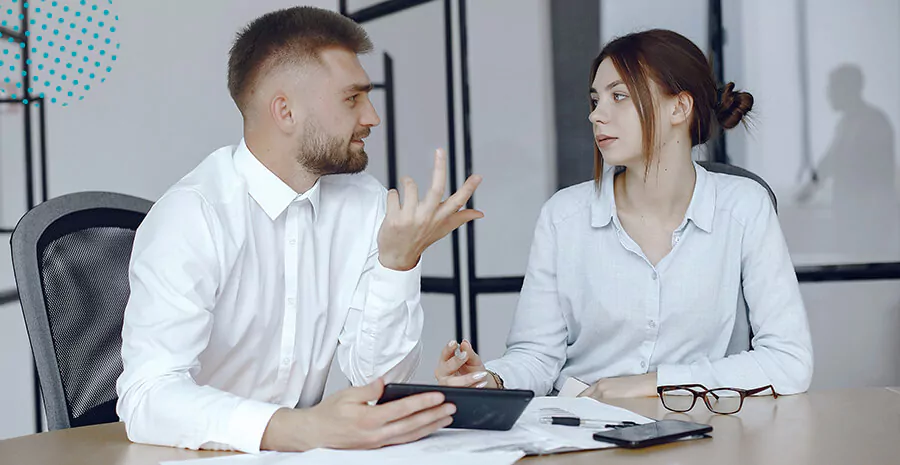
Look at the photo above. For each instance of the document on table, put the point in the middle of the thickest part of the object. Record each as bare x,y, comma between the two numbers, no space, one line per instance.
529,434
572,387
385,456
454,446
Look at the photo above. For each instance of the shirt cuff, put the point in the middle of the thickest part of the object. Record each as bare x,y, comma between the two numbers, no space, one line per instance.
392,287
669,375
247,425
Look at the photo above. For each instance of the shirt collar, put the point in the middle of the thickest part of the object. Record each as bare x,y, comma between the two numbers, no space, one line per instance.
267,189
702,208
700,211
603,208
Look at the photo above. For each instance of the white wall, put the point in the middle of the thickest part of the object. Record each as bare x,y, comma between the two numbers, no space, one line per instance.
165,107
855,326
687,17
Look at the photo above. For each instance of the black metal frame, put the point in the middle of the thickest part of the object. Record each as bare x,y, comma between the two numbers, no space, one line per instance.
716,34
21,37
391,138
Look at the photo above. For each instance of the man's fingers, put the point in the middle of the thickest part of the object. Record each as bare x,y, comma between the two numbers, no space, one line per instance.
421,432
458,219
402,408
438,179
419,425
393,203
458,200
410,194
363,394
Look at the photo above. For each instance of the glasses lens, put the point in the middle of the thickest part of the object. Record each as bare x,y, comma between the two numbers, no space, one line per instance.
679,400
724,400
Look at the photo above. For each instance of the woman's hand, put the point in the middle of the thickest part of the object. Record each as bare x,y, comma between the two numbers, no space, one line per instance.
625,386
462,368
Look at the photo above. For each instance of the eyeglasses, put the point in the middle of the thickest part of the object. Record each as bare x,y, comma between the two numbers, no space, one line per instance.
682,398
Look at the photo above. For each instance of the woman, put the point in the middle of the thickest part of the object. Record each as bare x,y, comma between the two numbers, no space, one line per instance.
635,279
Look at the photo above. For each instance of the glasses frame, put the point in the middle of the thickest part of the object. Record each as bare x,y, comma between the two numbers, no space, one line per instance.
699,390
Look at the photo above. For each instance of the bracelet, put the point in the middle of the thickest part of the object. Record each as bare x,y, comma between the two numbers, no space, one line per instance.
497,379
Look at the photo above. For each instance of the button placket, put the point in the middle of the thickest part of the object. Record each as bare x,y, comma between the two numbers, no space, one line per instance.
291,281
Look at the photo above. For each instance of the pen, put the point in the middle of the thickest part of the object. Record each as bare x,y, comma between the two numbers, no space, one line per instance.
591,423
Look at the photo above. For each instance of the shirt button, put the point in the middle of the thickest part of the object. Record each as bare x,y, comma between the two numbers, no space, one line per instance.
655,276
290,301
652,324
286,361
292,242
643,364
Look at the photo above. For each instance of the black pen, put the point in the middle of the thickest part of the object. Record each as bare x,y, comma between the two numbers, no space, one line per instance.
591,423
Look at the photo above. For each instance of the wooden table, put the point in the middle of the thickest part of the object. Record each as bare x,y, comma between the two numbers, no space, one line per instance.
852,426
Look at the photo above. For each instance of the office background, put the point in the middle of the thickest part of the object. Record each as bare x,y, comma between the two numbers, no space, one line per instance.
825,75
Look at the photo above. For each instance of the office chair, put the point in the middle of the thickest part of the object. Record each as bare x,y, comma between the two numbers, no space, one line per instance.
715,167
70,258
742,336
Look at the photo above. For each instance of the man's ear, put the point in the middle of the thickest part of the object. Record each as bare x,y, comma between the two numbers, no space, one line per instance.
282,114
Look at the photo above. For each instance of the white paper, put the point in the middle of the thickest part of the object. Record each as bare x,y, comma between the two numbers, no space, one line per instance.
572,387
386,456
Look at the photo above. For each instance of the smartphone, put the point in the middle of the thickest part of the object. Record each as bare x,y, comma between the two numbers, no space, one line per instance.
658,432
485,409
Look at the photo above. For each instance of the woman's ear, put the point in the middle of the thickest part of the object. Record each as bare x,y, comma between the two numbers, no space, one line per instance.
682,108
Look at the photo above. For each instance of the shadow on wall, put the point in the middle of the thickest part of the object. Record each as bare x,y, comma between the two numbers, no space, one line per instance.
859,171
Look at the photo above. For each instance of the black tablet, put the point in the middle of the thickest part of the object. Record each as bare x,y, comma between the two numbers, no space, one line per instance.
490,409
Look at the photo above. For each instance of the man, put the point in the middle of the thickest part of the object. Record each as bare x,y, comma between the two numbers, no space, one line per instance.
253,270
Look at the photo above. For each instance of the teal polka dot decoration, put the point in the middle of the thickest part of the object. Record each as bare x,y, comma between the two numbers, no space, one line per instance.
63,36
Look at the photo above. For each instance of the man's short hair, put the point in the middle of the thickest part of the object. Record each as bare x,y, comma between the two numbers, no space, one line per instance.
290,36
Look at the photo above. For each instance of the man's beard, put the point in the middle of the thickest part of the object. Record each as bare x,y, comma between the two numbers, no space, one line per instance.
321,154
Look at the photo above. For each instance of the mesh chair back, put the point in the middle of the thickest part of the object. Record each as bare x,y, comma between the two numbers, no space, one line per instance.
70,258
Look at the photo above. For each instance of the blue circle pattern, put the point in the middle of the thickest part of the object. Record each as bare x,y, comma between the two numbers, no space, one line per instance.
68,91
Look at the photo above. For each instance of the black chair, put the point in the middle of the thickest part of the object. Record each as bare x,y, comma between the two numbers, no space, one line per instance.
742,337
70,258
715,167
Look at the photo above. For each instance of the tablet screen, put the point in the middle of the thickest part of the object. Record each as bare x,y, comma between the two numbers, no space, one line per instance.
488,409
